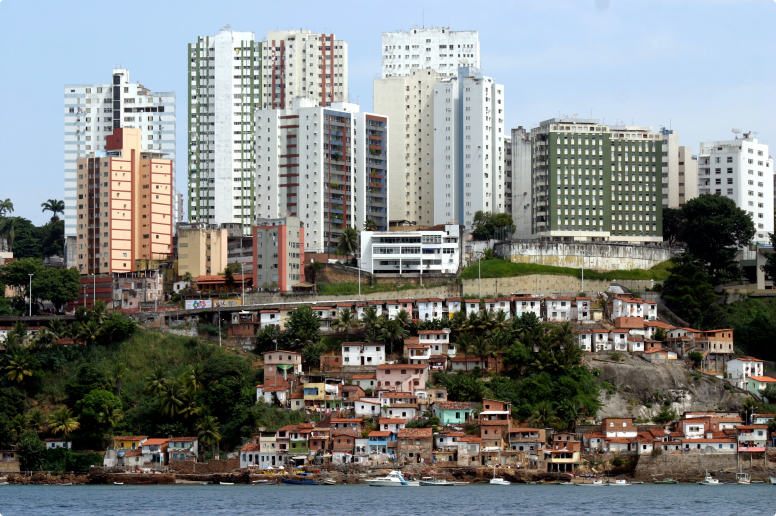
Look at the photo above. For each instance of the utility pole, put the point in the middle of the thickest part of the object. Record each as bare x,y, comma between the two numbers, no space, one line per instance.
156,295
30,275
242,270
218,314
94,289
479,273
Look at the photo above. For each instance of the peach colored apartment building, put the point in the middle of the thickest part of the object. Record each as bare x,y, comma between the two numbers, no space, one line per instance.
124,205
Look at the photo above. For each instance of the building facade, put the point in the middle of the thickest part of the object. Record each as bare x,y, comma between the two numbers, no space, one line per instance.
202,249
438,250
741,170
680,171
124,205
518,180
92,111
326,166
468,148
438,49
278,253
596,182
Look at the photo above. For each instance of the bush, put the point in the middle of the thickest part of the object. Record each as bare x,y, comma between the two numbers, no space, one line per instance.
616,356
617,462
657,452
648,405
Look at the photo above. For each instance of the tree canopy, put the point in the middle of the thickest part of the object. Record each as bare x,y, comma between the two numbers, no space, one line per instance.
489,225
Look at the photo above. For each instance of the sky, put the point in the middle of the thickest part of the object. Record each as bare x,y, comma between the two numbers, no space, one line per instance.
701,67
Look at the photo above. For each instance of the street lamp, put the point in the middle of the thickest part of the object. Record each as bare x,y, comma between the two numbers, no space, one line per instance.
242,271
30,275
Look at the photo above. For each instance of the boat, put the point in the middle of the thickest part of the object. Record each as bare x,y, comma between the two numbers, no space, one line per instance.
118,483
305,482
773,480
498,481
226,483
668,480
461,483
639,482
620,482
264,481
565,483
65,484
595,483
743,478
3,483
394,479
328,482
549,481
708,480
435,482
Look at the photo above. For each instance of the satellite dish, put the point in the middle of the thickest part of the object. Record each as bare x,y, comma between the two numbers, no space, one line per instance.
736,130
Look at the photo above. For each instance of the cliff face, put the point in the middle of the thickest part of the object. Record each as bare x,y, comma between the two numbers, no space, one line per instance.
635,383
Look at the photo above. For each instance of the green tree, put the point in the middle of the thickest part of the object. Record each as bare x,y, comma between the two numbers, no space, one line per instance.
665,416
20,423
18,367
37,420
98,412
156,382
370,320
118,327
769,268
171,399
209,433
393,332
346,321
6,207
660,334
229,278
714,230
673,221
54,206
370,225
348,242
90,332
62,421
32,452
303,325
696,357
688,289
117,371
544,415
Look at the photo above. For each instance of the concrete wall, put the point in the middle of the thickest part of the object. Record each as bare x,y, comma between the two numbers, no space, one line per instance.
593,255
336,273
416,293
693,465
544,285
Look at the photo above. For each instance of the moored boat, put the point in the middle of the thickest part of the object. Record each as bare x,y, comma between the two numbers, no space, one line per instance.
226,483
620,482
393,479
743,478
118,483
328,482
667,480
773,481
708,480
305,482
264,481
595,483
436,482
65,484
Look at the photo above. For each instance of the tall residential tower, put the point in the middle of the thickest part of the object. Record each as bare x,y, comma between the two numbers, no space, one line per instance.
439,49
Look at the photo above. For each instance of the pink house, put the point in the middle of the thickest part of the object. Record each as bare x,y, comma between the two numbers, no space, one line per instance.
401,377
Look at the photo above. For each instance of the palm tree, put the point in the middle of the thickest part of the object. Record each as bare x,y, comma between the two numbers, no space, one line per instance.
99,310
110,416
90,332
20,330
500,321
116,373
171,399
370,320
348,241
18,367
404,318
62,421
57,329
370,225
346,321
6,206
208,432
458,320
19,424
8,230
543,415
394,332
156,382
193,377
190,405
37,420
464,345
482,349
73,331
54,206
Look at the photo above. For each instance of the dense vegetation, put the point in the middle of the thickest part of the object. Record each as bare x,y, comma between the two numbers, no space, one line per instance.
26,240
496,268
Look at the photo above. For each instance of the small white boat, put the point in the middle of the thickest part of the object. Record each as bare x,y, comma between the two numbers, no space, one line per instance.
226,483
394,479
264,481
773,481
498,481
565,483
620,482
743,478
595,483
708,480
461,483
118,483
328,482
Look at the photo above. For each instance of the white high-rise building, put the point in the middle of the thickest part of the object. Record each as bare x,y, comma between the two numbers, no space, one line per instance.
298,63
468,147
521,182
224,90
742,170
231,76
409,104
92,111
326,165
439,49
680,171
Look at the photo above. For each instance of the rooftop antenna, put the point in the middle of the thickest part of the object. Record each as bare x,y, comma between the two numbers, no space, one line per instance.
736,131
424,18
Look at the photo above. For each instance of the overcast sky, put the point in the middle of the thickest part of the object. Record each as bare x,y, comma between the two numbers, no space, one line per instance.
703,67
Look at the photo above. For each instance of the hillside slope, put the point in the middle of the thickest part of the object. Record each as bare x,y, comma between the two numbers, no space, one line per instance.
635,383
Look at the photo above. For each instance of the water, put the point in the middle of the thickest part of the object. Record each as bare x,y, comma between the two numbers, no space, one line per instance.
341,500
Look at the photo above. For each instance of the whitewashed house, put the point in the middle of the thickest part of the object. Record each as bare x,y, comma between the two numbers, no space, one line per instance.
438,341
741,368
369,407
619,340
472,307
527,304
363,354
429,309
585,340
502,303
557,309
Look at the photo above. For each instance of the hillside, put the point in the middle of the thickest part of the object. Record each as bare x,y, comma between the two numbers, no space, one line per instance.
496,268
629,385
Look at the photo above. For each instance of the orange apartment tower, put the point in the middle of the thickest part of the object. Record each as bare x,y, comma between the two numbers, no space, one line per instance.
124,205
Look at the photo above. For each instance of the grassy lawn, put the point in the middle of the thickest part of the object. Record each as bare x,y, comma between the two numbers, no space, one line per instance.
504,269
351,288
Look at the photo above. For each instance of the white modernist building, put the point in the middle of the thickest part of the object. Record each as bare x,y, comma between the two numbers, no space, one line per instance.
410,252
740,369
518,179
363,354
92,111
439,49
468,147
680,171
742,170
326,165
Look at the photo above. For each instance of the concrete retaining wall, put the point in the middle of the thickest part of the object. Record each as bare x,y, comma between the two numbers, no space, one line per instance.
693,465
417,293
543,285
593,255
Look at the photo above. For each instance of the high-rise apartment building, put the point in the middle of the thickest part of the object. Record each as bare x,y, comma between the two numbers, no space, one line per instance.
93,111
468,148
680,171
278,253
439,49
225,87
325,165
298,63
231,76
742,170
202,249
508,175
521,182
408,102
124,205
591,181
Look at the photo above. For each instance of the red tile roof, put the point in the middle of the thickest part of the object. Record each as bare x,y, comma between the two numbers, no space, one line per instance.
364,376
251,447
390,421
376,433
764,379
155,441
454,405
